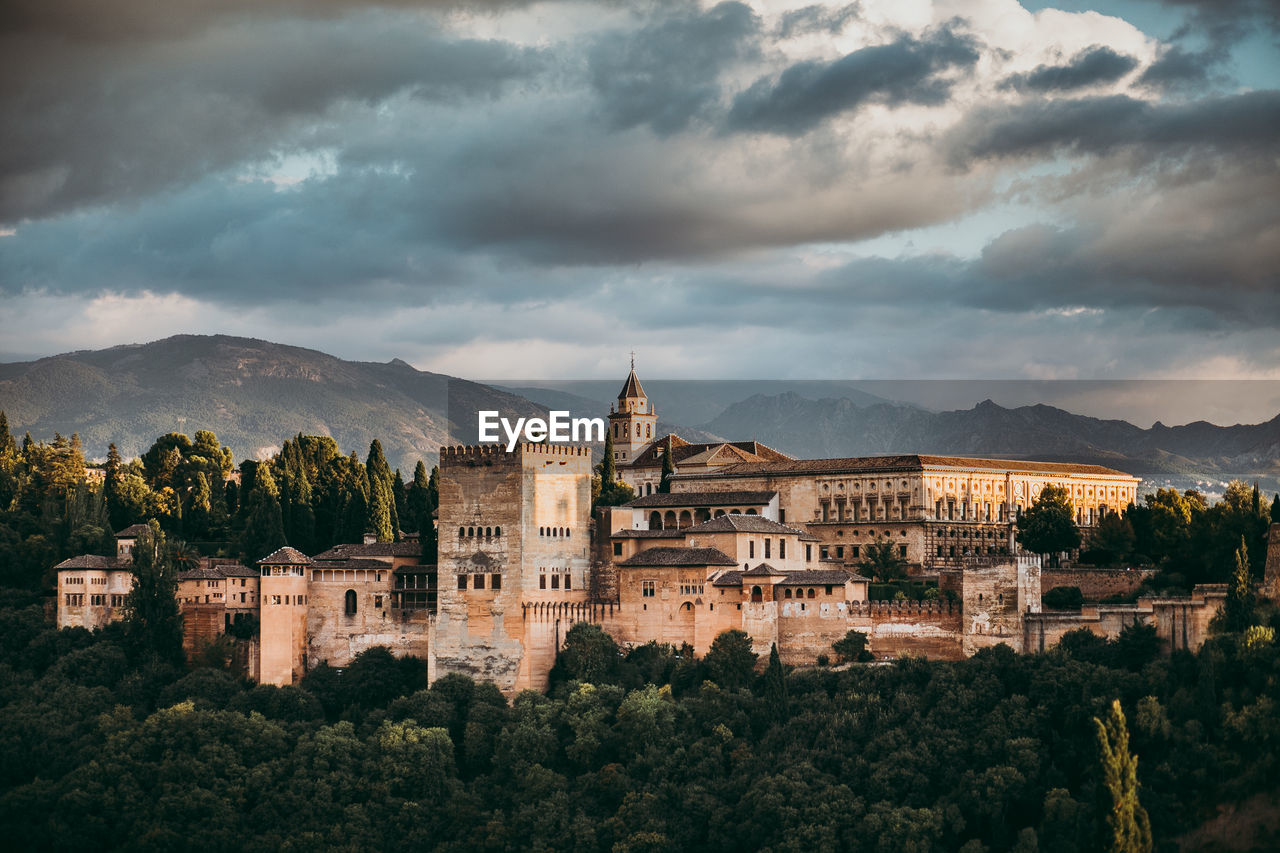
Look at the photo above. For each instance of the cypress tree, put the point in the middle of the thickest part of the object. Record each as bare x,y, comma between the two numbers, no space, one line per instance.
153,623
264,526
608,470
198,508
1275,509
1127,822
668,468
1237,610
775,688
381,499
398,492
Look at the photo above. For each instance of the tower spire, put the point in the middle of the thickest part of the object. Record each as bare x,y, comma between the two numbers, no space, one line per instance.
633,359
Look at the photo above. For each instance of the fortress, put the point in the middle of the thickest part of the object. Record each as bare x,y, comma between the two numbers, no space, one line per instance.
747,538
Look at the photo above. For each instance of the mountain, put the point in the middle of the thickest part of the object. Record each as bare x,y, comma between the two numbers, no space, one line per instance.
1184,456
252,393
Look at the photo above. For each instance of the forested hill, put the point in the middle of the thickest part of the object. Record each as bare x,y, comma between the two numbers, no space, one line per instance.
251,393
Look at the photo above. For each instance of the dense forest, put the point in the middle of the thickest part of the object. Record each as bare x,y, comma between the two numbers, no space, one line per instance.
110,739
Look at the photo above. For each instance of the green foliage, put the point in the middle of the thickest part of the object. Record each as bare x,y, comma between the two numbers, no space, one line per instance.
152,623
774,691
882,561
1049,526
1129,830
1063,598
263,525
668,469
730,662
1275,509
853,647
1112,541
1238,611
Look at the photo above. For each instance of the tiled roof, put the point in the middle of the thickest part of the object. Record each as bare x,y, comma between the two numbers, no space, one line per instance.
733,577
286,556
905,462
373,549
414,569
670,533
202,573
133,531
632,387
763,570
820,576
93,561
707,499
739,452
236,570
743,524
680,557
355,563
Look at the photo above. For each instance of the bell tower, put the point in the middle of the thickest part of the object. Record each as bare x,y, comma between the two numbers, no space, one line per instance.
632,421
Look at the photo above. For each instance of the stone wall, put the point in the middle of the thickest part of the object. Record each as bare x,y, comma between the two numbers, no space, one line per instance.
1096,584
1181,622
336,637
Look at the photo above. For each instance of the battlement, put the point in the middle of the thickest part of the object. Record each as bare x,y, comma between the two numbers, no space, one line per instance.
496,454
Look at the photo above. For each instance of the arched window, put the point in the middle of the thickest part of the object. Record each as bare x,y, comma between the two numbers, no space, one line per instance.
811,592
488,533
462,531
655,520
756,594
751,512
786,593
497,531
351,602
471,531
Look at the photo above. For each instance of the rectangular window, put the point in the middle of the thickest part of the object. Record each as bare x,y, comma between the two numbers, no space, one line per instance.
902,551
568,582
751,549
542,581
377,601
462,581
555,581
648,589
808,553
495,582
824,552
828,589
939,550
275,599
853,551
617,549
478,583
768,543
839,552
782,519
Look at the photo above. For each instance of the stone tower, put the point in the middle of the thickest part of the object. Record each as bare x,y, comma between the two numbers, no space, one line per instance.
514,560
632,421
283,631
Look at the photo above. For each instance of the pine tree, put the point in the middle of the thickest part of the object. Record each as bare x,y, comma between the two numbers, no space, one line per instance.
263,527
1127,821
668,468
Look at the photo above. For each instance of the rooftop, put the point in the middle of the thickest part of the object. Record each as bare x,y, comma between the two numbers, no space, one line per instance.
680,557
373,549
701,498
93,561
905,462
743,524
286,556
133,531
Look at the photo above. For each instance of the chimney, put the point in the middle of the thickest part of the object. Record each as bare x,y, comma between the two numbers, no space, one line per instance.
370,538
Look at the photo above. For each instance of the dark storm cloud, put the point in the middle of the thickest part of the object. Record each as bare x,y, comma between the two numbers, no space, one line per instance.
817,19
1090,67
1248,123
98,125
94,20
1177,68
904,71
1237,15
665,73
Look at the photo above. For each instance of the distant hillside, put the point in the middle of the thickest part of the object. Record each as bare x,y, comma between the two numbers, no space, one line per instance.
1183,456
253,394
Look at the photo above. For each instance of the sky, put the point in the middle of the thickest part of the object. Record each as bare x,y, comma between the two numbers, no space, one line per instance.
905,189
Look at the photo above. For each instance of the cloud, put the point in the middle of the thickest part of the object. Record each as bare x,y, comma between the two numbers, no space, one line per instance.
666,72
1098,64
96,125
817,19
1247,123
905,71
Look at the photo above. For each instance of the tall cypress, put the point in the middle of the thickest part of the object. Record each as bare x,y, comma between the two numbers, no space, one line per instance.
1127,821
264,526
668,468
383,518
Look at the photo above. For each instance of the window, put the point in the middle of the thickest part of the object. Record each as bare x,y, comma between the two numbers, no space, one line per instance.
824,552
648,589
98,600
767,547
782,519
568,583
853,551
477,582
751,549
902,551
786,593
462,581
495,582
839,552
808,553
350,608
377,602
828,589
617,549
555,581
542,581
939,550
811,592
275,599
